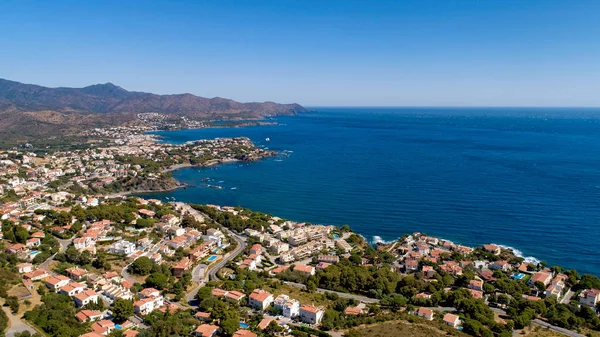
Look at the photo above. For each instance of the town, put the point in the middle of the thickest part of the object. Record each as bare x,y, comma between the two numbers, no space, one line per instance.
81,257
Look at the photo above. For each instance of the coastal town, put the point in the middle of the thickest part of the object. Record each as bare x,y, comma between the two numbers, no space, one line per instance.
81,256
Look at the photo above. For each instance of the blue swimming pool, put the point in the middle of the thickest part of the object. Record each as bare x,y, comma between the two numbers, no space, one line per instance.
244,325
518,276
335,236
212,258
118,327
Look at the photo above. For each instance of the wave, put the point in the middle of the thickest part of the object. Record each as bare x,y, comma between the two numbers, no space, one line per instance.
519,253
377,239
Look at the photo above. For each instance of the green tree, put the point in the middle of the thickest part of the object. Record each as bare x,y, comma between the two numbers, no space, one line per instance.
142,266
157,280
122,309
230,326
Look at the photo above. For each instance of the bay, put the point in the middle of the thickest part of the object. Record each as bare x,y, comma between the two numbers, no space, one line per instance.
528,178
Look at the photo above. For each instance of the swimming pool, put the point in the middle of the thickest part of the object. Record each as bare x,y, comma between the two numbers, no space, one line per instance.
212,258
244,325
33,253
118,327
215,250
335,236
518,276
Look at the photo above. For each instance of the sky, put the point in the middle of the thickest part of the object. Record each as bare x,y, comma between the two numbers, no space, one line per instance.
316,53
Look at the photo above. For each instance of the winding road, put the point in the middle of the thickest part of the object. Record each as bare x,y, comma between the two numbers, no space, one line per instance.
199,272
16,324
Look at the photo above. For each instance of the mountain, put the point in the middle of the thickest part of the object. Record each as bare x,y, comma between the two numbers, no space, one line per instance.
33,112
110,98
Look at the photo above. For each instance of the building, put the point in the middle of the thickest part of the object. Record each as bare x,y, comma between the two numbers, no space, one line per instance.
425,313
353,311
260,299
24,268
308,270
88,315
491,248
123,247
589,297
206,330
542,277
311,314
244,333
147,305
451,320
343,245
71,289
85,297
57,282
76,273
289,307
500,265
476,285
103,327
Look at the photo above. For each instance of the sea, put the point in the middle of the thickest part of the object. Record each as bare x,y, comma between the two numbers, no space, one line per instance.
525,178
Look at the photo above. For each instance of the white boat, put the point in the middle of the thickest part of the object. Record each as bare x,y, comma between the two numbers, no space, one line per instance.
268,139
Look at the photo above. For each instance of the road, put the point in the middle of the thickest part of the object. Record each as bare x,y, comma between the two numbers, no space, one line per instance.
340,294
557,329
125,274
199,274
16,324
241,246
63,244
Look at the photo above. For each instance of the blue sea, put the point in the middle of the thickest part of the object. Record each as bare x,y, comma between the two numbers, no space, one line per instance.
520,177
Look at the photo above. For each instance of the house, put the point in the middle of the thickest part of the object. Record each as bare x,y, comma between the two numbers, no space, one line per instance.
88,315
289,307
491,248
476,285
147,213
589,297
57,282
24,267
353,311
122,247
500,265
202,316
76,273
244,333
343,245
33,242
411,265
206,330
147,305
71,289
328,258
235,295
264,323
85,297
256,249
182,267
477,294
17,248
451,320
103,327
541,276
425,313
86,243
311,314
38,274
260,299
304,269
149,293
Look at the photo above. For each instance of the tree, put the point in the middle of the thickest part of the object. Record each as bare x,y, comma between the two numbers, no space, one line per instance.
122,309
142,266
157,280
13,304
273,327
203,293
230,325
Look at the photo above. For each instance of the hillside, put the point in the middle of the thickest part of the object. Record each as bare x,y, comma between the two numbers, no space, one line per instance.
28,110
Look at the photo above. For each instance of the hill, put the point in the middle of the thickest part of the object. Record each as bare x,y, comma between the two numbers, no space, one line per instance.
28,110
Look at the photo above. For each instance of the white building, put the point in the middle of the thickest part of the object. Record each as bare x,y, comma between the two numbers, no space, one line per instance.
122,247
260,299
311,314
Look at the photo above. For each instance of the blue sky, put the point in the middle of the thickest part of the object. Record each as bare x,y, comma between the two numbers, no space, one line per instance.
388,53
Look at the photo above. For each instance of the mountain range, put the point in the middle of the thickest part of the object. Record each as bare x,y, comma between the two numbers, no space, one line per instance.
34,110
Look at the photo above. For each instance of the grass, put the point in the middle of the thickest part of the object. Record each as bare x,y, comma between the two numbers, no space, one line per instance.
298,294
404,328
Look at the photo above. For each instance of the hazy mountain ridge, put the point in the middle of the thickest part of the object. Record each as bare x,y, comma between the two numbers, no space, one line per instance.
109,98
34,112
